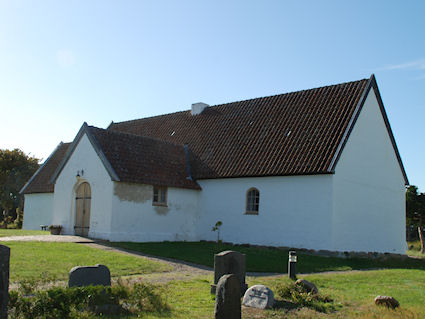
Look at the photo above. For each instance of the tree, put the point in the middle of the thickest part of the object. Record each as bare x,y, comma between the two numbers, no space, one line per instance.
16,168
415,210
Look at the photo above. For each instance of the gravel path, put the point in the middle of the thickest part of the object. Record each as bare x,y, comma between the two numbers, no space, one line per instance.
181,270
50,238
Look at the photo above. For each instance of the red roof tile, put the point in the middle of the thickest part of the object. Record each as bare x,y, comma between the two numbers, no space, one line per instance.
40,181
138,159
287,134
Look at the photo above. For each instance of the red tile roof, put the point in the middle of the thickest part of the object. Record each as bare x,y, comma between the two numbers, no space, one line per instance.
139,159
287,134
40,181
296,133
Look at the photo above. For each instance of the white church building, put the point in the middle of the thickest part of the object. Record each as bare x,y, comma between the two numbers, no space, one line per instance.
316,169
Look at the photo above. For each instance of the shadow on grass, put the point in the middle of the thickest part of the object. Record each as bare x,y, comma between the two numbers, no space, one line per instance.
265,259
283,304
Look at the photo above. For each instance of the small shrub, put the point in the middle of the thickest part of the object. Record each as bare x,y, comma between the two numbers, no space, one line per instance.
144,297
299,296
415,245
27,287
216,228
55,227
78,302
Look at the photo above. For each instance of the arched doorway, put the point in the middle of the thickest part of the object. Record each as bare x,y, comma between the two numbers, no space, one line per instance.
82,209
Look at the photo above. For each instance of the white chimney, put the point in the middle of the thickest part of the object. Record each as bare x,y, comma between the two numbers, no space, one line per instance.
197,108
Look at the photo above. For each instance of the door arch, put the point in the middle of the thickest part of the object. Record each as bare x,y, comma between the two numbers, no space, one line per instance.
82,209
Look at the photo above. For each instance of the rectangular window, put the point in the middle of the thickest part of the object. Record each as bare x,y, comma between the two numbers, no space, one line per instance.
159,196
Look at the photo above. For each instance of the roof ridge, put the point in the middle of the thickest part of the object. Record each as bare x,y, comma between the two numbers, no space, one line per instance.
246,100
292,92
136,135
148,117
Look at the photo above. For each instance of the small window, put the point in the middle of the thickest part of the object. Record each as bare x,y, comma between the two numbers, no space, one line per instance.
159,196
252,201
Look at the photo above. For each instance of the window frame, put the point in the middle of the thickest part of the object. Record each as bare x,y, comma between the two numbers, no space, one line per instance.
255,203
162,195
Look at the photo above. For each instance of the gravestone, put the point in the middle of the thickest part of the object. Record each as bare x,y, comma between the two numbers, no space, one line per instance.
228,298
81,276
4,280
258,296
229,262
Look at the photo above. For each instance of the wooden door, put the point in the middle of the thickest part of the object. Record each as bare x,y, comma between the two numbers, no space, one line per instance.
82,210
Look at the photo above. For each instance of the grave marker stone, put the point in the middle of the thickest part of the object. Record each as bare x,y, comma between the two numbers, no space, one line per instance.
228,298
258,296
81,276
229,262
4,280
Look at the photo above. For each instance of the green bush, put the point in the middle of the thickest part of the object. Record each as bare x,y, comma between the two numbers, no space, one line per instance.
78,302
299,296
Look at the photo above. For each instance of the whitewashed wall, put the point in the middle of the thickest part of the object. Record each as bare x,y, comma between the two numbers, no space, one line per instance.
369,205
294,211
84,158
360,208
135,219
38,210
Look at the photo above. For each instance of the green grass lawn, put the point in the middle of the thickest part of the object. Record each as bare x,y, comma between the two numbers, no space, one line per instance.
44,261
20,232
264,259
352,292
356,291
353,295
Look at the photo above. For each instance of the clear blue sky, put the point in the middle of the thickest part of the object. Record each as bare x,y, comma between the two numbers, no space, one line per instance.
66,62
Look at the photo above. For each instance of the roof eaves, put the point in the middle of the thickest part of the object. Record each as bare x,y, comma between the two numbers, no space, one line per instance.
266,175
371,84
388,126
40,169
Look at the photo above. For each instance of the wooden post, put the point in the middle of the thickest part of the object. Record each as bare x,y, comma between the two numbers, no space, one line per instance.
4,280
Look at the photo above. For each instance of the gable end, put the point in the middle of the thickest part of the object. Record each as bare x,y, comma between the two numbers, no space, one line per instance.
84,130
370,85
